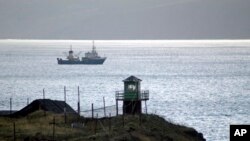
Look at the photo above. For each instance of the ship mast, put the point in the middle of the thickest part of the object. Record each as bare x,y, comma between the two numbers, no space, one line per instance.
70,51
93,48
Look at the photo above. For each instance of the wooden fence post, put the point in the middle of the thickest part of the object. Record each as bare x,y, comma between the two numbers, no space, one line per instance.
123,120
96,123
78,104
109,121
65,110
14,131
104,107
140,119
43,93
28,101
10,106
116,107
92,110
54,122
44,111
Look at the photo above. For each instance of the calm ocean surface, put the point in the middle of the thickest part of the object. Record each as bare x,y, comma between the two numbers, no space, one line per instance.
202,84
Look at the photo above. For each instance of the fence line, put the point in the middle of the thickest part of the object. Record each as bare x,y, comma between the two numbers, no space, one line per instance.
102,111
109,109
98,122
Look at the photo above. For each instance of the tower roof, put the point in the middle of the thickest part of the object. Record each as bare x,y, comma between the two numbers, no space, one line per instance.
132,78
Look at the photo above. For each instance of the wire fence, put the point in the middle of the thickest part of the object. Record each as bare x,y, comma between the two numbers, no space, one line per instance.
106,111
102,111
96,120
101,120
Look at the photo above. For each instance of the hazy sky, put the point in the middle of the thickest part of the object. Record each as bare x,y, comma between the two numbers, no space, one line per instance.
124,19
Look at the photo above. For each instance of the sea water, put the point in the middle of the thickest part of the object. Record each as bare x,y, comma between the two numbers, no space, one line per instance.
201,84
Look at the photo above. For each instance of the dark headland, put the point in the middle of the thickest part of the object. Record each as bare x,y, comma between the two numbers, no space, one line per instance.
37,125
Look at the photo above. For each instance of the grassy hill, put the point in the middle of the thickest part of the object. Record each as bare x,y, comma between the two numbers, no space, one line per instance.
36,126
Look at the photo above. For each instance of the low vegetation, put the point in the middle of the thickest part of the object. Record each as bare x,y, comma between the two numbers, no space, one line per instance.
37,126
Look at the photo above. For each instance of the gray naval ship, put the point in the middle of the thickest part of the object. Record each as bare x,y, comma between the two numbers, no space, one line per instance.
91,58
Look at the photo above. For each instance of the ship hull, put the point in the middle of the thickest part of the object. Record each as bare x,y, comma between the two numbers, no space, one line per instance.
84,61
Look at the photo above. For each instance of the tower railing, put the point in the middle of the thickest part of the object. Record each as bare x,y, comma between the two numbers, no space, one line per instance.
142,95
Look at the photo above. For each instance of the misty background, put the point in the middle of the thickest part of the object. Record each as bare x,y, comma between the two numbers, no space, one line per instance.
124,19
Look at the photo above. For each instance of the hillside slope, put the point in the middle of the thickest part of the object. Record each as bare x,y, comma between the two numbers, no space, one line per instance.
36,126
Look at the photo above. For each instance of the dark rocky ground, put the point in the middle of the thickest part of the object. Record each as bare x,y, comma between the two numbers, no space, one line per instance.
36,126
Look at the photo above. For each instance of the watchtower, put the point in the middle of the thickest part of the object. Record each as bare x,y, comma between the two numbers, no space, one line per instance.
132,96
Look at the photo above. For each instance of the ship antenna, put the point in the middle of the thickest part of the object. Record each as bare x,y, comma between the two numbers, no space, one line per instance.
93,46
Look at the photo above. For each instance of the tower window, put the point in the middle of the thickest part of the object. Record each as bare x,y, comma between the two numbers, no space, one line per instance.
131,87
